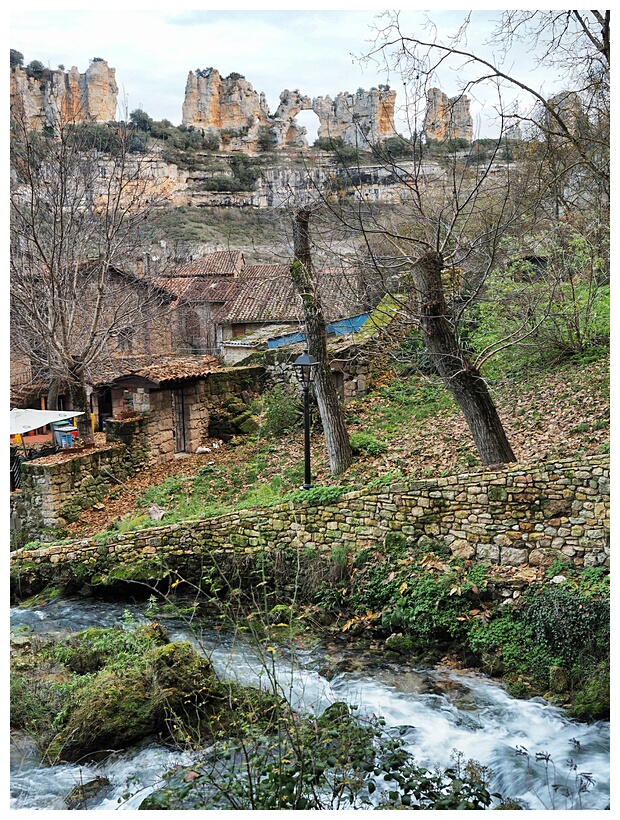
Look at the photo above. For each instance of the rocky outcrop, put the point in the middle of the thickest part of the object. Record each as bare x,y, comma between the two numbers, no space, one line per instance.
447,117
360,119
569,108
64,95
231,110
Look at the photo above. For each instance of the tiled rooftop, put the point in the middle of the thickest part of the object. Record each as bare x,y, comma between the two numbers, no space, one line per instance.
200,289
218,263
267,294
169,369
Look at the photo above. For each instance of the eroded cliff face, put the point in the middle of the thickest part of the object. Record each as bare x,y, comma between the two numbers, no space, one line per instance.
360,119
233,111
447,117
223,104
65,95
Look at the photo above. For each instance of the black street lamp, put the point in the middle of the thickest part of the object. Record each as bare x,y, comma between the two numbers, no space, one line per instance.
305,365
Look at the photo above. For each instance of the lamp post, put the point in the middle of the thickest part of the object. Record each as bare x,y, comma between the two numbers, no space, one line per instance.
305,364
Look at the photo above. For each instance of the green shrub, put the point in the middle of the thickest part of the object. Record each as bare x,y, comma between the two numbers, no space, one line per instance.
567,623
321,763
562,627
366,443
562,310
316,496
283,411
425,596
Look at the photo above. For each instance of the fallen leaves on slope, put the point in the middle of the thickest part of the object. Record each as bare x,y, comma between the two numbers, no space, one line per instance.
566,413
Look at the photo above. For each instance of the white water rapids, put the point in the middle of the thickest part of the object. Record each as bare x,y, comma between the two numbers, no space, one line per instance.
435,712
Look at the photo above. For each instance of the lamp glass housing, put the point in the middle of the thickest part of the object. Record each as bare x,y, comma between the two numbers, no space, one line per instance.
305,364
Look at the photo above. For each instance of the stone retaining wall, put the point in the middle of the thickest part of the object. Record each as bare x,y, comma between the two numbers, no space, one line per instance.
54,492
523,515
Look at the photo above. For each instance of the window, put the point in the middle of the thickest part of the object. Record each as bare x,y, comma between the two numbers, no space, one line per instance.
125,339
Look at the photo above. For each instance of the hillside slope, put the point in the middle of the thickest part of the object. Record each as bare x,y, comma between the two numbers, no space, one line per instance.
419,432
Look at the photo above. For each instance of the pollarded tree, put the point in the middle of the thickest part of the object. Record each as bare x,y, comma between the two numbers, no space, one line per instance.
458,218
330,408
76,217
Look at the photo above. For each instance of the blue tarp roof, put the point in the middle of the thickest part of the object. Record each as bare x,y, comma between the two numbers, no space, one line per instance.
339,328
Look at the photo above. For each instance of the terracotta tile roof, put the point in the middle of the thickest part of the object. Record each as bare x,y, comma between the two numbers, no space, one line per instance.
212,278
186,368
267,294
199,289
170,369
219,263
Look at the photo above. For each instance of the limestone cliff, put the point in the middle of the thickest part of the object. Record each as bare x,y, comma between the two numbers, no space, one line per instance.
66,95
228,108
447,117
231,110
363,118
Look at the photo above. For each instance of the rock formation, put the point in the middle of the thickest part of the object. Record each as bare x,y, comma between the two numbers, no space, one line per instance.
360,119
568,106
66,95
447,117
230,109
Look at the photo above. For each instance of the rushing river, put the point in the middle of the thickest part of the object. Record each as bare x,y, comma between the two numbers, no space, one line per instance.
436,712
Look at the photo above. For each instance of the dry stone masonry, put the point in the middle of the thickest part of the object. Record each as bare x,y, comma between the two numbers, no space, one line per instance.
521,516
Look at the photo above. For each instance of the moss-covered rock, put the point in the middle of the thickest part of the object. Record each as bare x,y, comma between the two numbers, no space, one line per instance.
84,792
399,643
112,710
559,679
592,700
120,698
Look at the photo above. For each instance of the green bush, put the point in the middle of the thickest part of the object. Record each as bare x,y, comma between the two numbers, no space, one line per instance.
563,310
220,183
555,628
568,624
321,763
424,594
345,154
283,411
366,443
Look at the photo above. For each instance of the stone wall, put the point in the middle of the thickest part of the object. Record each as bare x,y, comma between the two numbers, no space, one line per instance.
54,492
524,515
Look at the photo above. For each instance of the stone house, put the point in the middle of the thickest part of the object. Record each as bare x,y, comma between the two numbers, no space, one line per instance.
184,402
135,325
267,311
200,288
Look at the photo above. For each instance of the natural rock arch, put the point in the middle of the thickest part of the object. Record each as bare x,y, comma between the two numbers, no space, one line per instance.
360,118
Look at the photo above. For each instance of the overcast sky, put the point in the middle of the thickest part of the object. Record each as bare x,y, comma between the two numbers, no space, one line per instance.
153,50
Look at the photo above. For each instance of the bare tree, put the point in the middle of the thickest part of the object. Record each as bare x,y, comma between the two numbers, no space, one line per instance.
460,218
330,407
78,200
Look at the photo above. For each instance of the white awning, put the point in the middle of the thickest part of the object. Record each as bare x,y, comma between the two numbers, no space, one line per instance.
22,421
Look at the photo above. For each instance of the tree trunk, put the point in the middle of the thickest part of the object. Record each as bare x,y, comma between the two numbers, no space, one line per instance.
460,377
52,396
330,407
79,399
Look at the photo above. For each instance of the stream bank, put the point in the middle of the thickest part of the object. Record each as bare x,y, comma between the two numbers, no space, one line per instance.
432,710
